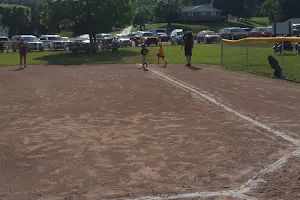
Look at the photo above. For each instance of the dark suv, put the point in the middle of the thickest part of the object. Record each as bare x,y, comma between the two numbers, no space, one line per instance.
233,33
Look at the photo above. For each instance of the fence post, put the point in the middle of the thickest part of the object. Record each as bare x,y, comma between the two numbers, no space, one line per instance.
282,56
247,55
222,53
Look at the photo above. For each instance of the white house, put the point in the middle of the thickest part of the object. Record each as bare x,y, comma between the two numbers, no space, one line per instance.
200,13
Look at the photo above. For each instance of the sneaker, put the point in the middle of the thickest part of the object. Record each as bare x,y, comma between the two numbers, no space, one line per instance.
25,66
186,65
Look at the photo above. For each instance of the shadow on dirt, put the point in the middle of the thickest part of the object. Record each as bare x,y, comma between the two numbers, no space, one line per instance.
123,56
194,68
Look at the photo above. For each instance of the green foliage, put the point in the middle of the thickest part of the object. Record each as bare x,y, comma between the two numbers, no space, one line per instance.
90,16
239,8
281,10
16,18
168,10
145,12
36,6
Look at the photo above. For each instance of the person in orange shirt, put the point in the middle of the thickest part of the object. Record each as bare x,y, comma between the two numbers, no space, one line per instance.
161,54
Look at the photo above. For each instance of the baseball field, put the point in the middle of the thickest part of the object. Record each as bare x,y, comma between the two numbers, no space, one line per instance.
113,131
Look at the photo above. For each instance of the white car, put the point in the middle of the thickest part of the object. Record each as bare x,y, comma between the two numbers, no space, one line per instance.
53,42
124,42
119,36
176,36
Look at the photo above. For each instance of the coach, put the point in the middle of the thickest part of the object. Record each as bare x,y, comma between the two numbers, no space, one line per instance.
188,43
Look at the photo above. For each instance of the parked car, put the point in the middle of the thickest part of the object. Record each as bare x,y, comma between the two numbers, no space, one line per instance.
260,32
176,36
66,40
53,42
3,43
31,40
103,35
132,35
233,33
124,42
162,37
247,29
207,37
119,36
146,38
296,30
82,44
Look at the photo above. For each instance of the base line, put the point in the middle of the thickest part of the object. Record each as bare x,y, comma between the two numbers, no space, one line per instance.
214,101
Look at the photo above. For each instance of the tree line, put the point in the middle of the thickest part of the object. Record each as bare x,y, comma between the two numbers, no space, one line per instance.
92,16
276,10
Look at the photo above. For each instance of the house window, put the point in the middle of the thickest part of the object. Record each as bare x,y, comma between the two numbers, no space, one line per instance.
190,14
213,14
203,13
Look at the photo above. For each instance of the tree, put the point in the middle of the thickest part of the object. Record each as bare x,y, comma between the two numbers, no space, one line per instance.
36,6
239,8
250,8
281,10
145,12
90,16
223,5
16,18
169,10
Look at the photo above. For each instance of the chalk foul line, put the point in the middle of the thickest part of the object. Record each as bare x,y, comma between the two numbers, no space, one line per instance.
214,101
246,187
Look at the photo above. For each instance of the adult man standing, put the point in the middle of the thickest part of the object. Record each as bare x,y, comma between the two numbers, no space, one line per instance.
188,43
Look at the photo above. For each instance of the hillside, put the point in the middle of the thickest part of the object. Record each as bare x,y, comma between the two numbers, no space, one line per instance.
214,26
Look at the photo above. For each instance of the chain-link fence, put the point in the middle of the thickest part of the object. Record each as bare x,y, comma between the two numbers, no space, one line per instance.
252,54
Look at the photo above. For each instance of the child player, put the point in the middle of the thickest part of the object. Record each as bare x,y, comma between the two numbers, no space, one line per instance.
22,46
144,53
161,54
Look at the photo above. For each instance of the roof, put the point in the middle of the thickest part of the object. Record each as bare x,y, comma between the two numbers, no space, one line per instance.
200,8
293,20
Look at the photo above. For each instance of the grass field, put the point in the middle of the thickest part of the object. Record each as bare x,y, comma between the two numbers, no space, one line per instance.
210,54
215,26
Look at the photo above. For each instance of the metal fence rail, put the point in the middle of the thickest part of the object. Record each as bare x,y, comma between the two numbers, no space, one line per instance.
251,55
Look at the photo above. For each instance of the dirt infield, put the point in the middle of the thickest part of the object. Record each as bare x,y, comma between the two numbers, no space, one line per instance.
107,132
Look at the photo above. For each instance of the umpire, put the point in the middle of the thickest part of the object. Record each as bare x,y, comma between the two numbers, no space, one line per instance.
188,43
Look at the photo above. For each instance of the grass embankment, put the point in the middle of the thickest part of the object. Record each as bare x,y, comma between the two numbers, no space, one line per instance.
214,26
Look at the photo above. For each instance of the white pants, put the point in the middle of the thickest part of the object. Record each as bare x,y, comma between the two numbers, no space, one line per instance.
143,59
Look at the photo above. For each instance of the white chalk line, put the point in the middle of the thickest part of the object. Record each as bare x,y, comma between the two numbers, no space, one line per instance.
214,101
238,193
229,193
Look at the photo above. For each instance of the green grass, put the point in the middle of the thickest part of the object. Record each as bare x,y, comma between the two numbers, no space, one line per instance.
125,56
204,54
214,26
66,34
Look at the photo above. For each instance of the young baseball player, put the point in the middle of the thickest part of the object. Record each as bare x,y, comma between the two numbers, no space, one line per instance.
161,54
144,53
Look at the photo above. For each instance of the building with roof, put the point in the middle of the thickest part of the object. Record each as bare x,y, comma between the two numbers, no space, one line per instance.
200,13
